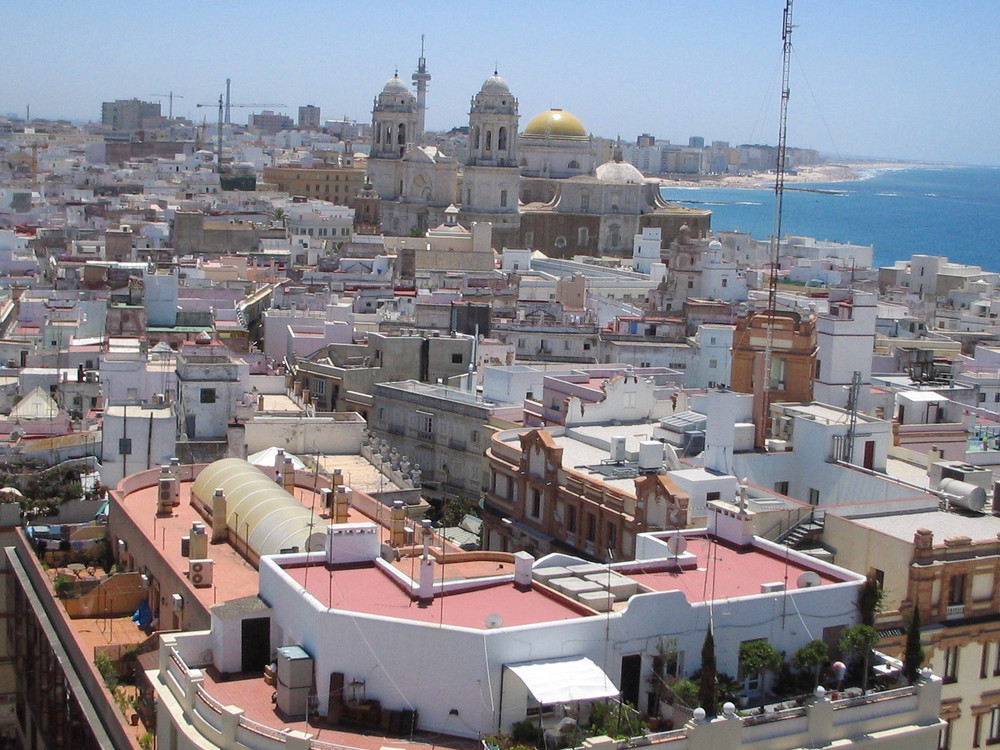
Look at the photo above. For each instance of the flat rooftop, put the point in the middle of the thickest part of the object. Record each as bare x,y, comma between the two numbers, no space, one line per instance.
254,696
725,571
366,589
943,524
234,576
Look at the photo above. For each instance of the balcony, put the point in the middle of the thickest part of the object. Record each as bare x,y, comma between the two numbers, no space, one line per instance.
954,612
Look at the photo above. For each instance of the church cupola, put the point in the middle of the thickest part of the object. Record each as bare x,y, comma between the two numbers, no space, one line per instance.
493,120
395,120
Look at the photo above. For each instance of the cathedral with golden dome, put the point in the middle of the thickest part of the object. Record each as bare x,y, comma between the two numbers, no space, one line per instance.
541,188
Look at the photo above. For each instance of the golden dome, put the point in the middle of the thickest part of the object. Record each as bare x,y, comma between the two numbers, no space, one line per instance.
555,122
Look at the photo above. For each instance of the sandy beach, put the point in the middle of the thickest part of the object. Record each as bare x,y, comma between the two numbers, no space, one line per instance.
844,172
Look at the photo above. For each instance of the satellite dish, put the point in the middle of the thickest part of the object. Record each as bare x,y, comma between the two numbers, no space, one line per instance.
676,545
493,621
808,579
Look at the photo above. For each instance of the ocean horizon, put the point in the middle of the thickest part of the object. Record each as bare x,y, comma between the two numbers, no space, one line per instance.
902,211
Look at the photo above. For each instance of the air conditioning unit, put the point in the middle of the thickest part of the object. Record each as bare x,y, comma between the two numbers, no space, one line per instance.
200,573
178,602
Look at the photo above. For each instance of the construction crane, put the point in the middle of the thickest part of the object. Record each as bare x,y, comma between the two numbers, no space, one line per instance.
222,109
170,96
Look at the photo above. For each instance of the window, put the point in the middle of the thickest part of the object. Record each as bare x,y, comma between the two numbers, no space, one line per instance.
425,424
813,496
950,672
584,202
690,283
536,503
502,141
591,527
713,364
571,519
456,358
582,236
984,661
489,140
612,536
712,497
944,738
560,241
993,736
207,395
319,386
503,199
956,590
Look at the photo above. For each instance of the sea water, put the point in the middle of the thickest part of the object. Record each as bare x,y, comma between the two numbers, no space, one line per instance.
929,210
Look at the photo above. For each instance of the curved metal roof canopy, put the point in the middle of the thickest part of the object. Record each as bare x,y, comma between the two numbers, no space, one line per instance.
258,510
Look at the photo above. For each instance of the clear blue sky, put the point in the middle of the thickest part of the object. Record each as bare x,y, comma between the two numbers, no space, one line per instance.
881,78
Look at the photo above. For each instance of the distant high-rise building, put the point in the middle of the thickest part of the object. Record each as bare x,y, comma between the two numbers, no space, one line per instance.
269,123
130,114
696,141
645,140
309,117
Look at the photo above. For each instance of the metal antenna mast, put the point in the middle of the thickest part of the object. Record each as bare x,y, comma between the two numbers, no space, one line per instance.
779,191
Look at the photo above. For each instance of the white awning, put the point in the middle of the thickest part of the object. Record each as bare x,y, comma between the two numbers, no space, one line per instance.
564,680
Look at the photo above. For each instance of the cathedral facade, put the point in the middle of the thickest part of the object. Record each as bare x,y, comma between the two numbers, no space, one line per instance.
541,189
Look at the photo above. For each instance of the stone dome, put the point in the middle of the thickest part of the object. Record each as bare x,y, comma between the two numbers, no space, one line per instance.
619,171
715,245
556,122
495,85
395,85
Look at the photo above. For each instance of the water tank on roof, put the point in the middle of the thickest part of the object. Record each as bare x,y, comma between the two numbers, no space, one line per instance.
650,455
964,495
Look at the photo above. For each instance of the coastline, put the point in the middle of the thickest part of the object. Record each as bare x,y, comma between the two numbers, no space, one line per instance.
819,173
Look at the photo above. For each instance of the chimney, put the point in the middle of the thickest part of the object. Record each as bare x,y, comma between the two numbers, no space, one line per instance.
288,476
425,591
522,569
220,529
341,505
397,525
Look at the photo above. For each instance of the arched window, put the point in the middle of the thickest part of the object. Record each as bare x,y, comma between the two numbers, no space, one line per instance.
574,164
502,139
560,241
388,135
378,135
475,137
582,236
489,140
401,134
584,201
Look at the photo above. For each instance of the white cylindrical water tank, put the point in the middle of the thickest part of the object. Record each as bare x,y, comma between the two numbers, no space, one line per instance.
964,495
